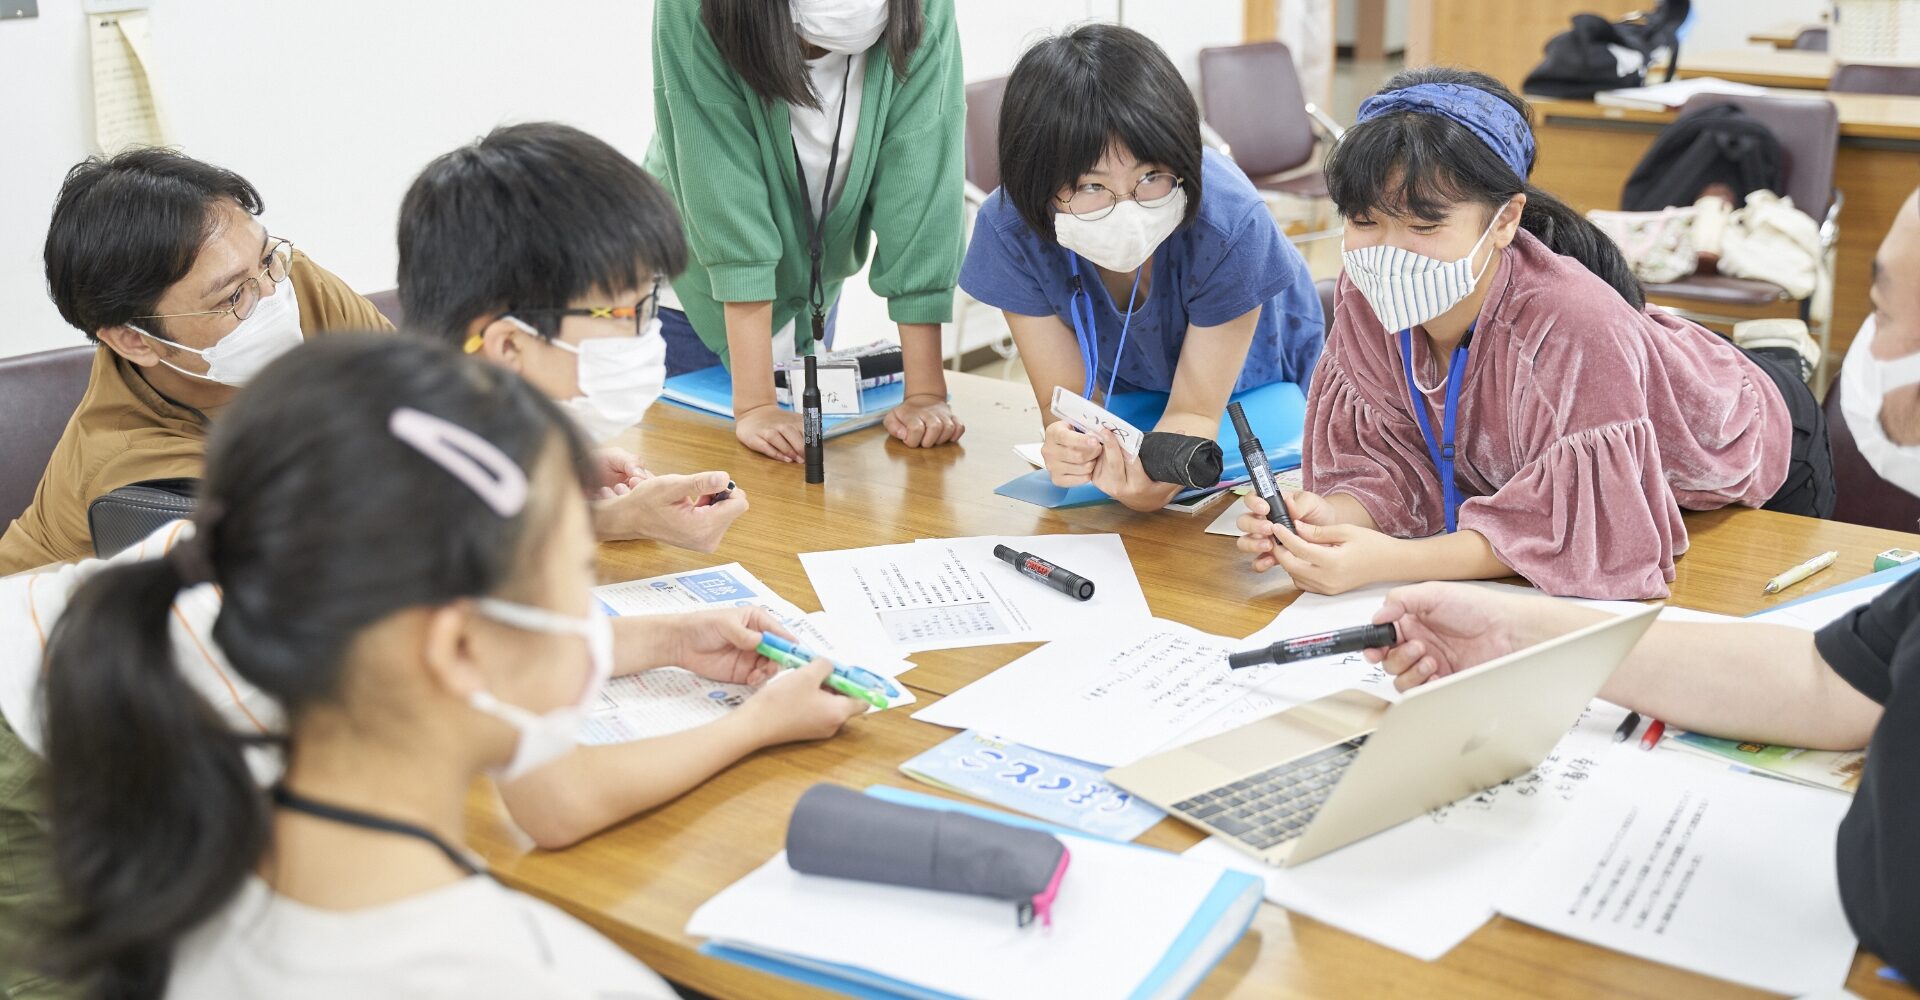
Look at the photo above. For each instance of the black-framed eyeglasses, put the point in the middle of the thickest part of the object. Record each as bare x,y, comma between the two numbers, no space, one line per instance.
1093,202
641,313
275,266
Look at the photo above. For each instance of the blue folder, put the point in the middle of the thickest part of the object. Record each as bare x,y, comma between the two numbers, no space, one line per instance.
1277,412
710,390
1232,888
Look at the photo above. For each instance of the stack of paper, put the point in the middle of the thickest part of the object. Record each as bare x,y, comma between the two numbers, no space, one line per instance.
1662,96
1128,922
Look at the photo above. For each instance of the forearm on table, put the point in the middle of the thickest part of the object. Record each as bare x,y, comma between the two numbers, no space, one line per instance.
1763,683
750,354
922,355
595,787
1458,555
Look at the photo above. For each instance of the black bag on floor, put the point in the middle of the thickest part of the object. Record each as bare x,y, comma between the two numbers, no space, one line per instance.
1598,54
1717,144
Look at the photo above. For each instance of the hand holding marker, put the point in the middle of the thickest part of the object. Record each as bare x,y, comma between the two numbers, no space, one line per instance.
1255,455
854,682
1308,647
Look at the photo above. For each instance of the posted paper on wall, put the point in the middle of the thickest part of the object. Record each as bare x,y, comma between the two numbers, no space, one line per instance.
126,111
950,593
1697,866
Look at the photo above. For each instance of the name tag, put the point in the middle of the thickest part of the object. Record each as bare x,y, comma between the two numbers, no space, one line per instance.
1085,415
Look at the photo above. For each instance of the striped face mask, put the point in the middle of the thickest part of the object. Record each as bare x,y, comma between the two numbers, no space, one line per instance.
1407,289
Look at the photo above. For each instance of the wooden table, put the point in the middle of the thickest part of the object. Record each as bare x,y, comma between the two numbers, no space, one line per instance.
1586,151
1781,34
639,882
1788,68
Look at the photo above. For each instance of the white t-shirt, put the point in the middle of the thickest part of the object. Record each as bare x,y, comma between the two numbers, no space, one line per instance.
813,127
474,939
30,604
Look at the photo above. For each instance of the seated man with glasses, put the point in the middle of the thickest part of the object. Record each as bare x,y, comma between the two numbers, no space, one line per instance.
543,249
160,259
1126,257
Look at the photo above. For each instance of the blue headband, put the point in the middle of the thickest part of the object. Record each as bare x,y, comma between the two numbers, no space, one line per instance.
1492,119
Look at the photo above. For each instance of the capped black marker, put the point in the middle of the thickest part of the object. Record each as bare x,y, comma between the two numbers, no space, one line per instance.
1307,647
811,430
1033,567
1256,458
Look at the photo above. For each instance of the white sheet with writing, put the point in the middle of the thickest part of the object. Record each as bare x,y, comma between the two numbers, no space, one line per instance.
1700,867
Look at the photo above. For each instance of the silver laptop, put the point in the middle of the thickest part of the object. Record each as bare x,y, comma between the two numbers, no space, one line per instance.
1318,777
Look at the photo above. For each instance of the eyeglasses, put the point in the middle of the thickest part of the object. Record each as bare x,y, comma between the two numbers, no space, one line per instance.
275,267
1093,202
641,313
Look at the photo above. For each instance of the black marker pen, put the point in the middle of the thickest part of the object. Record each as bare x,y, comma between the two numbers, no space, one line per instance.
810,414
1306,647
1065,581
1256,458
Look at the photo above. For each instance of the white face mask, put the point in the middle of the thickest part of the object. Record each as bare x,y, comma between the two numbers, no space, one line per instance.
271,330
1126,237
620,377
843,26
1407,289
547,736
1868,380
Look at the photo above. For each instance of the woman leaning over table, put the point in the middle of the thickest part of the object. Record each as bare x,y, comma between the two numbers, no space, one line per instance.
793,137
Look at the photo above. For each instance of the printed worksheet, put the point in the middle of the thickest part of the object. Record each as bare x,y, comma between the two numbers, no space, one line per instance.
951,592
721,586
1697,866
669,700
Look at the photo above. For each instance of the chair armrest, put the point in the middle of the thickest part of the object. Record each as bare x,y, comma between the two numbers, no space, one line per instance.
1332,128
1830,226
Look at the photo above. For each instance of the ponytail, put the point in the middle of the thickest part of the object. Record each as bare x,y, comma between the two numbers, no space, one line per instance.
1570,234
156,818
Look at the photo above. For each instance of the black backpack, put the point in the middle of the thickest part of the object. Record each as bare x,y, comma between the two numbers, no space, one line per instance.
1598,54
1719,143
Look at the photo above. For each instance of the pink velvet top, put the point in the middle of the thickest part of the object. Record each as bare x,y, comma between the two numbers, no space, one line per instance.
1584,427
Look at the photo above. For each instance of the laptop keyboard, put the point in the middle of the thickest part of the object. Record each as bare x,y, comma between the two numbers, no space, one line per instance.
1274,806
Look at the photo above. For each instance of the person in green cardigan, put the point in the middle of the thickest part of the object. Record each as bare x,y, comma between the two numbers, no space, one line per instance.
794,135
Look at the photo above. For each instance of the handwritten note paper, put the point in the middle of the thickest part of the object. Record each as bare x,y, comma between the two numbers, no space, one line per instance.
125,110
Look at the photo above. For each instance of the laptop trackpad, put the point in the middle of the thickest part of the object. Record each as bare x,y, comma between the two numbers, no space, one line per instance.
1295,732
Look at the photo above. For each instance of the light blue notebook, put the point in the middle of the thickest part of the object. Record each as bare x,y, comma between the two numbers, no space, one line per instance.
1277,412
710,390
1217,925
1058,789
1870,580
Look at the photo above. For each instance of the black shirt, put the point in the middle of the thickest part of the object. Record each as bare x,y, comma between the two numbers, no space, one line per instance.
1877,649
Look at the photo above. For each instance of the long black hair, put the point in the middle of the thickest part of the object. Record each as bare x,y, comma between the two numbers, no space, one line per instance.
758,41
1409,164
316,522
530,216
1074,96
125,228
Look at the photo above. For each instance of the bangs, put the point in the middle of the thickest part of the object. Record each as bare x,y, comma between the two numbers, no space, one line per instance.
1413,166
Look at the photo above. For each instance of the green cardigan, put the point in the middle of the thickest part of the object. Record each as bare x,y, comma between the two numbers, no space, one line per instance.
727,157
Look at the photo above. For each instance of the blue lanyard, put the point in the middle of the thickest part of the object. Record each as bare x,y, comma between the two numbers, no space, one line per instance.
1441,451
1086,329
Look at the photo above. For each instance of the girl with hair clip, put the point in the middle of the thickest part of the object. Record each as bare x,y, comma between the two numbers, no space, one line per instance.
1497,397
797,137
1113,226
403,603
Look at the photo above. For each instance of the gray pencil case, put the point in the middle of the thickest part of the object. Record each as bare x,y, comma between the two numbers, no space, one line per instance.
841,833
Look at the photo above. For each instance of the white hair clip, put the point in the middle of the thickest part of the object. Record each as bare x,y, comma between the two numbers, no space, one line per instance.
468,457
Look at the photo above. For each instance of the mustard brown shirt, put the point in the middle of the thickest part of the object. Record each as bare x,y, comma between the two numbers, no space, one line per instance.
124,432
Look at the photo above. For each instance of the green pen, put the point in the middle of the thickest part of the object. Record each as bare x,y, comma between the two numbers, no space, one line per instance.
840,684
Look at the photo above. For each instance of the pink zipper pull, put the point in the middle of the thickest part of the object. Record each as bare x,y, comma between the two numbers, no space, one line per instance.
1042,904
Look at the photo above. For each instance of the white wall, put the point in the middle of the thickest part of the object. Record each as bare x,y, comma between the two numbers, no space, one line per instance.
330,109
1725,24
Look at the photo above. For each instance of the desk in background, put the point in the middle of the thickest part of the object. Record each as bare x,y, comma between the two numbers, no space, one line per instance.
639,882
1586,151
1781,34
1790,69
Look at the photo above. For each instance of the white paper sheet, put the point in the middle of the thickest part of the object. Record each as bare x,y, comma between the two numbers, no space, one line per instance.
719,587
949,593
1820,612
1118,912
1699,867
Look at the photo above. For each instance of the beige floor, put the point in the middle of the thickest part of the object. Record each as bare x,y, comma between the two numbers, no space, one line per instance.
1352,82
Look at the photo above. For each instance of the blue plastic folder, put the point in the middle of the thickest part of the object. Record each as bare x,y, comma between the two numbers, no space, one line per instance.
1178,971
710,390
1277,412
1870,580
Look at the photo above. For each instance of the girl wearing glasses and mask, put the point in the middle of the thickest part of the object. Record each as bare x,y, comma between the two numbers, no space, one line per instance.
795,135
1497,397
1127,258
